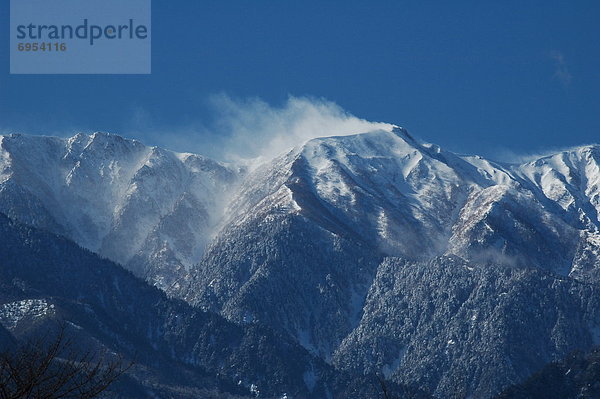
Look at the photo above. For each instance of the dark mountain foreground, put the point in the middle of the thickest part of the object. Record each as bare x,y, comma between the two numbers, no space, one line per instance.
577,376
178,351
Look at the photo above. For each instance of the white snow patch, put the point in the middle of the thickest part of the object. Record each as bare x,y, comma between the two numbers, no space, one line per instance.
382,224
12,313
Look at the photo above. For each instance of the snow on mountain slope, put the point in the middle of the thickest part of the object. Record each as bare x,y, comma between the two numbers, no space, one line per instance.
570,179
416,200
304,234
301,242
545,215
383,186
568,183
149,209
460,330
154,211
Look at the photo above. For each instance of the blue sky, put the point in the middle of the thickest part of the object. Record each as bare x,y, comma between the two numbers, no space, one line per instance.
485,77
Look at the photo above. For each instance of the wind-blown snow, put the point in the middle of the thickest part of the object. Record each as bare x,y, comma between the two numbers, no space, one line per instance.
134,204
155,211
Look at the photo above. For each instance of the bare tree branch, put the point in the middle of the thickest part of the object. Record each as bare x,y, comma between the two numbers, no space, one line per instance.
54,369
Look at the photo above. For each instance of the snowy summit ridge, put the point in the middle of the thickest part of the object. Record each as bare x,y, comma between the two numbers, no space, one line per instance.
140,205
376,252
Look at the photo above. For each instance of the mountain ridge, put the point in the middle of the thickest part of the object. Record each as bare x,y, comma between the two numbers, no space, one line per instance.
302,242
116,197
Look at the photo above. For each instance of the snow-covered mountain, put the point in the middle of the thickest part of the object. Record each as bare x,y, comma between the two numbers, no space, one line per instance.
376,252
149,209
306,238
415,200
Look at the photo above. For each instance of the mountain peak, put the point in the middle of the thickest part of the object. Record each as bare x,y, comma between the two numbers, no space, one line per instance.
403,133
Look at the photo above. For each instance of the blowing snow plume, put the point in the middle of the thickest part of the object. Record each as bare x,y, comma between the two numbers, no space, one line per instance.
260,130
244,129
